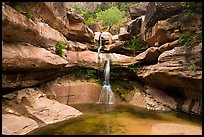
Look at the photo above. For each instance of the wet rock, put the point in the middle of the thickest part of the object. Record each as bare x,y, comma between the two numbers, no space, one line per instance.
134,26
175,129
88,59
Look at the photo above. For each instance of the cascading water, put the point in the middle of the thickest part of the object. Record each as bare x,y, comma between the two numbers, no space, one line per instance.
100,46
106,95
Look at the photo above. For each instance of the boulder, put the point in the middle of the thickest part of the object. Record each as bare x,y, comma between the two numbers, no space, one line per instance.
149,56
78,30
29,109
157,11
95,27
17,27
158,38
134,26
138,9
123,34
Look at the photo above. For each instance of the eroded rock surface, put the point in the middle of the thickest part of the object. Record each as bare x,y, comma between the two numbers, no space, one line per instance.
30,109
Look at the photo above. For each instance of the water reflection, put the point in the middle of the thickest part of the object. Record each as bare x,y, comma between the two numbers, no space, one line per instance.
106,119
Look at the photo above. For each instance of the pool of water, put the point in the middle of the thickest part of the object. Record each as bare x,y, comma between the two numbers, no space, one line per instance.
123,119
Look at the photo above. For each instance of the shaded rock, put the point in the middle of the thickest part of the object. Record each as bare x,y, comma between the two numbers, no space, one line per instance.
134,26
26,57
137,10
67,91
12,80
32,104
95,27
17,27
160,37
159,11
149,56
123,34
157,99
174,71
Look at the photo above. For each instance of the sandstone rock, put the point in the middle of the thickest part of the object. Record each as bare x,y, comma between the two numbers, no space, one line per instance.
16,27
175,129
137,10
159,11
123,34
66,91
24,57
173,72
17,125
78,31
33,107
52,13
135,26
168,46
88,59
95,27
117,46
159,36
162,100
149,56
12,80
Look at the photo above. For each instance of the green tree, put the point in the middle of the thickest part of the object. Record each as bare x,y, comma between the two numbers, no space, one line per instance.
110,17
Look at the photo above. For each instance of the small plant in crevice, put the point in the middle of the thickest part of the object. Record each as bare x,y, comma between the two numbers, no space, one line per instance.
135,43
90,73
59,48
188,39
192,67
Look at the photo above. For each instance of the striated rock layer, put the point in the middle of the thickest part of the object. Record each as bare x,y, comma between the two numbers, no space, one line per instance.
27,109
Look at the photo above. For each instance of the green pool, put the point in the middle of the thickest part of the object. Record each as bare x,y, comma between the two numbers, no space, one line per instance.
123,119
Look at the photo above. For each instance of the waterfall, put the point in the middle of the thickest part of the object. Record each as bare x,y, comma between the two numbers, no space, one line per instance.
106,95
100,46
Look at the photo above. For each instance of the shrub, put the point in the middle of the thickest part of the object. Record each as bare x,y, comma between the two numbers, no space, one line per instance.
59,47
135,43
193,67
188,38
191,8
90,73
